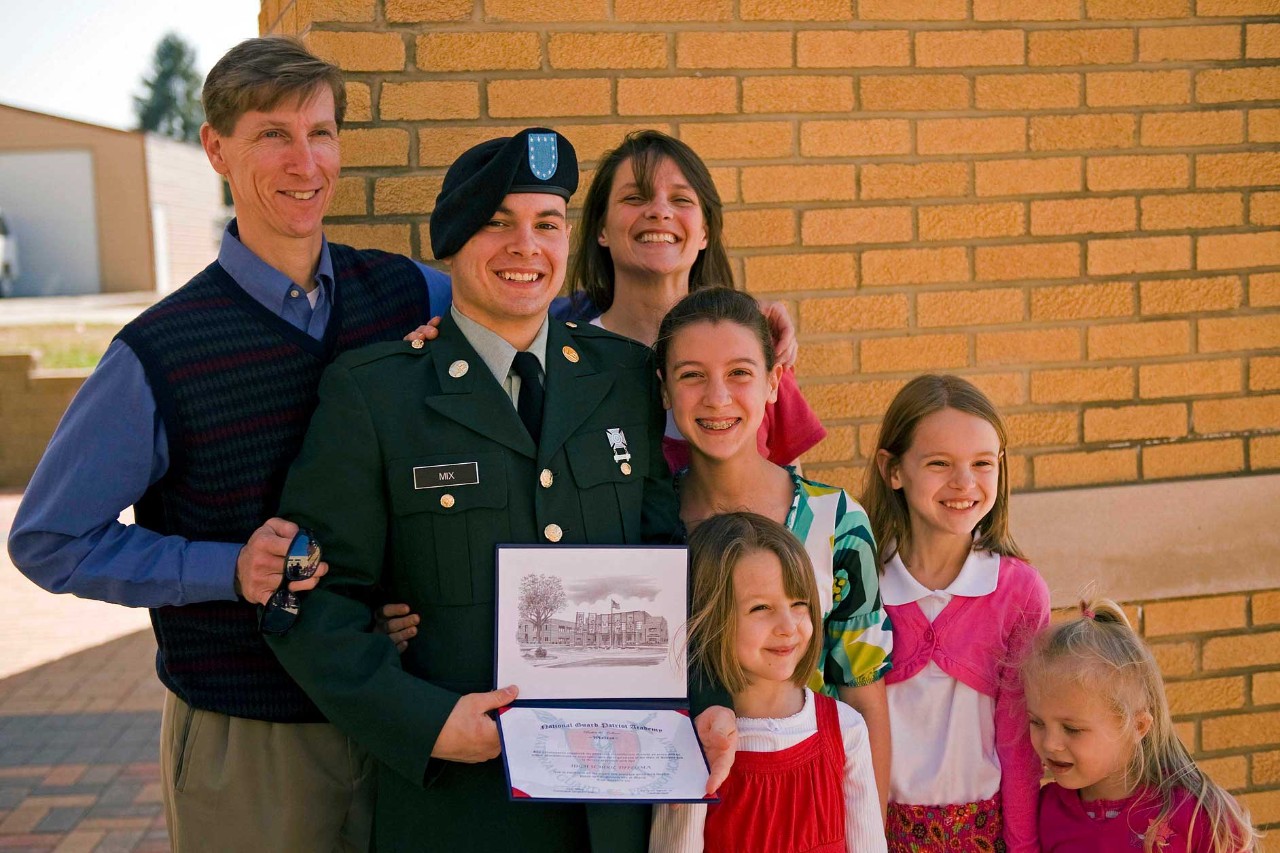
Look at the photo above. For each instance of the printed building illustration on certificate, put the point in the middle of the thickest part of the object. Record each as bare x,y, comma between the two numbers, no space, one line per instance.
600,630
620,630
612,637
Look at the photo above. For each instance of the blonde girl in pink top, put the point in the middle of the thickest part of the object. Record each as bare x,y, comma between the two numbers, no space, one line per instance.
1122,779
963,605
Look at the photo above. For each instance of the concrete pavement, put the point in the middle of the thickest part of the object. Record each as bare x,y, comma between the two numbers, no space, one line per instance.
113,308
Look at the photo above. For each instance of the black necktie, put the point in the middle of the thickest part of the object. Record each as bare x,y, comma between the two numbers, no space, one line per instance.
529,401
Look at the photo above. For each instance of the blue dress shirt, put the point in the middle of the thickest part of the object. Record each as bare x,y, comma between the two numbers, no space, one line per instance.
110,448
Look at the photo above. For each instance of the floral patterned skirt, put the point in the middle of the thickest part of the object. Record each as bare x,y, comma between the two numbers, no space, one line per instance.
971,827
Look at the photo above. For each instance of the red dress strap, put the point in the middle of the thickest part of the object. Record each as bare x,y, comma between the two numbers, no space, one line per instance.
829,727
788,801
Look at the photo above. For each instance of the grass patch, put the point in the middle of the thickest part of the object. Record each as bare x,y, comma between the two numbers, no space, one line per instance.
63,345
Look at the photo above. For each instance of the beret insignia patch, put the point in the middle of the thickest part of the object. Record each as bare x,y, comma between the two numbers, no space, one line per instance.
544,158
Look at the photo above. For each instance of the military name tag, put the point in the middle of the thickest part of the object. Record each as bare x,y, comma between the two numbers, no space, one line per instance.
443,476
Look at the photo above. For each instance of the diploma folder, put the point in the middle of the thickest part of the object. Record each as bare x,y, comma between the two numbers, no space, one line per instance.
593,637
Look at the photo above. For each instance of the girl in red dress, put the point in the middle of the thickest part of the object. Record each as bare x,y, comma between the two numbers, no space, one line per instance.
802,779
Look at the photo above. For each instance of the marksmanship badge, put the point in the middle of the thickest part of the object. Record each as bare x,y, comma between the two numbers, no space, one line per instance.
618,443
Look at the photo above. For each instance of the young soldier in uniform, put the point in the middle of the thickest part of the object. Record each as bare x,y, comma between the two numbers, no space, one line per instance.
421,458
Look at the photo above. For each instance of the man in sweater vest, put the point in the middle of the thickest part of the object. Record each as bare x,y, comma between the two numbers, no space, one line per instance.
193,417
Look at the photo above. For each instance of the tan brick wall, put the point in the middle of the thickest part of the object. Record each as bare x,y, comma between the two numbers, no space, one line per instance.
31,404
1073,202
1220,656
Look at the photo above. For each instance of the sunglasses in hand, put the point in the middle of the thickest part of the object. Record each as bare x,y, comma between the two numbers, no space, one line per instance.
300,563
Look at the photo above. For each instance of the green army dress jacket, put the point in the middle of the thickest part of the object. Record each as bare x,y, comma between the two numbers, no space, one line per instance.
393,533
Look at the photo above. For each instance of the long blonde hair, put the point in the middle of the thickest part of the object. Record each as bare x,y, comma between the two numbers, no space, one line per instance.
1100,652
887,507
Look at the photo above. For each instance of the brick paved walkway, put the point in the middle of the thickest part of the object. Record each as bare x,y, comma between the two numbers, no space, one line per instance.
79,721
84,780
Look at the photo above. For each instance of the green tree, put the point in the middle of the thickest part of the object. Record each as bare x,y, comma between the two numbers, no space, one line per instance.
170,99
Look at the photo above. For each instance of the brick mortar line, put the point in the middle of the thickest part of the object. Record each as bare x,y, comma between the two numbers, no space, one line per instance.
970,74
937,204
820,248
891,159
853,24
1237,673
800,122
1197,67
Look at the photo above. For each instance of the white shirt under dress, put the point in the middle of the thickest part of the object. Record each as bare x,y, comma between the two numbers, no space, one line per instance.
677,827
943,731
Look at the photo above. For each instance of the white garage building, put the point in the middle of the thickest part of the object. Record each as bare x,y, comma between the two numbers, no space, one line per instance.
98,210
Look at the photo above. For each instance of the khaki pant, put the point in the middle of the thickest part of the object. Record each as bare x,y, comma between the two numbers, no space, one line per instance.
232,784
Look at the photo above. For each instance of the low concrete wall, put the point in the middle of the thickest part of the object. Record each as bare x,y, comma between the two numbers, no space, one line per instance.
31,404
1153,541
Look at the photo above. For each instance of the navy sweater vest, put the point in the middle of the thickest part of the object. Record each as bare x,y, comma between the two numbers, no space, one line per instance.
236,386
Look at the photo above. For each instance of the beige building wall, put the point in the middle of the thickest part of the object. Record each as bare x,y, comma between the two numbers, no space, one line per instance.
186,207
125,257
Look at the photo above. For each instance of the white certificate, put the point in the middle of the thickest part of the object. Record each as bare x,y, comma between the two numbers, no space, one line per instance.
592,623
592,754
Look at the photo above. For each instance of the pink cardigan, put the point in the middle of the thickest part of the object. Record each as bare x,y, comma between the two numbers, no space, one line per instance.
979,642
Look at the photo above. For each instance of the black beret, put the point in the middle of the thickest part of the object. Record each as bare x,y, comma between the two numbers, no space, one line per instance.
535,160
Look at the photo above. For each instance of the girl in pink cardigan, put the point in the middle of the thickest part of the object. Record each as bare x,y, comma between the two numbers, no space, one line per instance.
963,605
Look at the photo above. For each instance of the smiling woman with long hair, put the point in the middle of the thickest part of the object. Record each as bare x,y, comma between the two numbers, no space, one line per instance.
652,232
652,229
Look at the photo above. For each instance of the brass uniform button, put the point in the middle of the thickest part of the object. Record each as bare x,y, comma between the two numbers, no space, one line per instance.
571,354
546,478
459,369
446,501
626,468
417,343
553,532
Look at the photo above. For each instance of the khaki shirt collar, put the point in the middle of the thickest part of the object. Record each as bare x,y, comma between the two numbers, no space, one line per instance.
496,353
